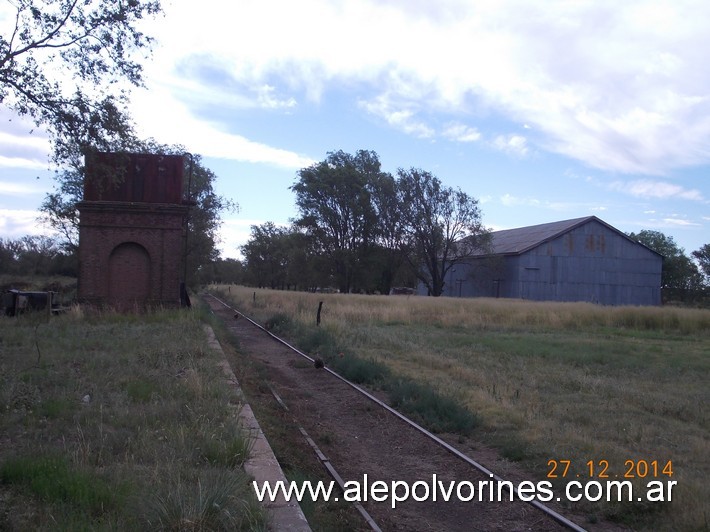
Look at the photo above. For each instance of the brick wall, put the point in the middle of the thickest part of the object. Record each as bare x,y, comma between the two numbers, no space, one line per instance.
130,254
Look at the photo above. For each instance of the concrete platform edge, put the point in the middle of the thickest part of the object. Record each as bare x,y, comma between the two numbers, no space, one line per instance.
262,465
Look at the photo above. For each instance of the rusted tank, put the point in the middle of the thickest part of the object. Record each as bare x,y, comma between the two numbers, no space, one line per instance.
134,177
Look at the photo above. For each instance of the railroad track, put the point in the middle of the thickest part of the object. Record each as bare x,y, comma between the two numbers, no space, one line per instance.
365,436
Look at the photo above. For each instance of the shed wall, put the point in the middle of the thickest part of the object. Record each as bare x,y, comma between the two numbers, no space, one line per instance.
588,263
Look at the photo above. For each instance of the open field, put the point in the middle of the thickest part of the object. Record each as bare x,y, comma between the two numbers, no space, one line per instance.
545,381
118,422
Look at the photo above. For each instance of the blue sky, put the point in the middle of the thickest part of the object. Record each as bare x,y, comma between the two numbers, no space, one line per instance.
543,111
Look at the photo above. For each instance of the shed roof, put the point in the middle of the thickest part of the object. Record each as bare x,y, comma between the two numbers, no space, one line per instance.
522,239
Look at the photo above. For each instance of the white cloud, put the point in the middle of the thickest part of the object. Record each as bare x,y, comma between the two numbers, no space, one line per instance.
175,124
514,201
267,99
512,144
680,222
16,223
22,162
399,117
234,233
461,133
20,189
648,189
22,145
571,207
619,86
671,222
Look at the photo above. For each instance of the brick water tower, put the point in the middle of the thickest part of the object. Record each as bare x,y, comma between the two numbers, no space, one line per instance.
131,231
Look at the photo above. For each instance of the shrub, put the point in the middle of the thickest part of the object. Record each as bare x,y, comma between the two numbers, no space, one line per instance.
436,412
361,371
279,323
317,342
230,452
215,501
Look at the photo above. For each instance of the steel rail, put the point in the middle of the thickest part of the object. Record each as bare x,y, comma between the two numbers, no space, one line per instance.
323,459
453,450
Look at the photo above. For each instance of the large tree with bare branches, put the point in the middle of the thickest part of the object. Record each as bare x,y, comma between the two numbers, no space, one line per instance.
444,226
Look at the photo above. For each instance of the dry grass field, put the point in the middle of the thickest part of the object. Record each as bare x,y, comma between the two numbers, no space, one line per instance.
546,381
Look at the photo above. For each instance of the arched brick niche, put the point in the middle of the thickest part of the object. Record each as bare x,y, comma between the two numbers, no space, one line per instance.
129,276
130,252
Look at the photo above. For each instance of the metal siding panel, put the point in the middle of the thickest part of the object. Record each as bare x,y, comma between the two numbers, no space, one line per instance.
606,267
512,265
590,262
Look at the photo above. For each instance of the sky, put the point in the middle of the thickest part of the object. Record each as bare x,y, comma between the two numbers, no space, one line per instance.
542,110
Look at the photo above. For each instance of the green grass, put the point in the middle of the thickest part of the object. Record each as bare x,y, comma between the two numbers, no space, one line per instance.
544,380
140,390
216,500
54,480
228,452
119,422
435,411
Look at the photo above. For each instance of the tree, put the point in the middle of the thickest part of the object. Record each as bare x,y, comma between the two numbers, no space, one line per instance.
90,45
266,255
678,271
702,255
222,271
306,268
10,251
279,257
336,209
443,225
38,253
204,218
35,255
387,258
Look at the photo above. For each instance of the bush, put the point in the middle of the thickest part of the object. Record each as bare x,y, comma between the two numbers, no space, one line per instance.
361,371
436,412
278,323
318,342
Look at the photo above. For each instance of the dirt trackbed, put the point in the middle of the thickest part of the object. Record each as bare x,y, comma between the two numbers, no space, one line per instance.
360,439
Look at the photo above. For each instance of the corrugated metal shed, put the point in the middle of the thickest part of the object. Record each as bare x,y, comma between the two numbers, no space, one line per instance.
583,259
